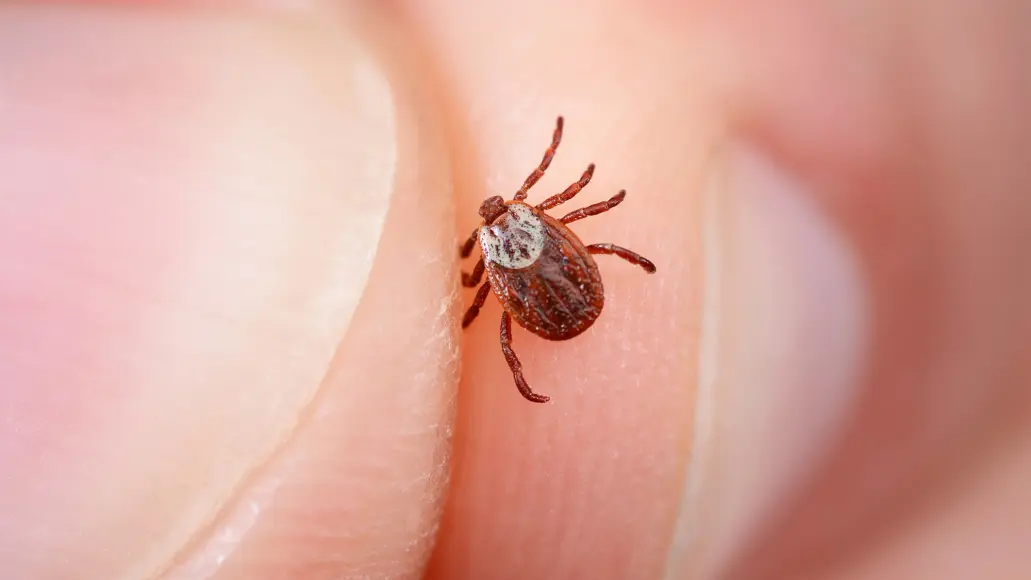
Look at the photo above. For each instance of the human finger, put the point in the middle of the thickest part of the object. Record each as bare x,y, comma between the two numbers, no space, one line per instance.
788,136
226,347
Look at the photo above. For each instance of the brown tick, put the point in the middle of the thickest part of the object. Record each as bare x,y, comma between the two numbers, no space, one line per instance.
542,274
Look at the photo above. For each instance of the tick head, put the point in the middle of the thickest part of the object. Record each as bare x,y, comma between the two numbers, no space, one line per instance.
492,208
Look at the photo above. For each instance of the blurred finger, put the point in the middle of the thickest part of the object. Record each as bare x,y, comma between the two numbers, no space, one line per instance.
227,341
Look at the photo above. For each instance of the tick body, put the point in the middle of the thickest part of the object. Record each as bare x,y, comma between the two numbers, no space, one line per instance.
545,278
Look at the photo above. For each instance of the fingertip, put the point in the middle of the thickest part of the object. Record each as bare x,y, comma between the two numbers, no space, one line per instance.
198,229
360,484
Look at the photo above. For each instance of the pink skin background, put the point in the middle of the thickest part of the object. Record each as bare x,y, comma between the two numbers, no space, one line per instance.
229,301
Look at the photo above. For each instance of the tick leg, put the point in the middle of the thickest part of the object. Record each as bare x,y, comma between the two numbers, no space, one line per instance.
474,310
556,137
467,247
594,208
514,364
624,253
470,280
569,192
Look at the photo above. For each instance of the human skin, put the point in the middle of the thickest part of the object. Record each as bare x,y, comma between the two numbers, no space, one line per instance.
230,295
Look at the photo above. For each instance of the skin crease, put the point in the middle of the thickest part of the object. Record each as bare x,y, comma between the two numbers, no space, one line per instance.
909,120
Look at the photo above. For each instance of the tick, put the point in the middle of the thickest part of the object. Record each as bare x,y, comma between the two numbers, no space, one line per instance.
543,275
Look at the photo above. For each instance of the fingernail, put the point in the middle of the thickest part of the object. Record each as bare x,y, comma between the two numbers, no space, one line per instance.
192,206
782,347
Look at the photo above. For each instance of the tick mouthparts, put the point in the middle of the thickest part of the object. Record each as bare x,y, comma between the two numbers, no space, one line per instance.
492,208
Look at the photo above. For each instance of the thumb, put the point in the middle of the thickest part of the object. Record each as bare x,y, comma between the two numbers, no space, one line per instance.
868,292
193,207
